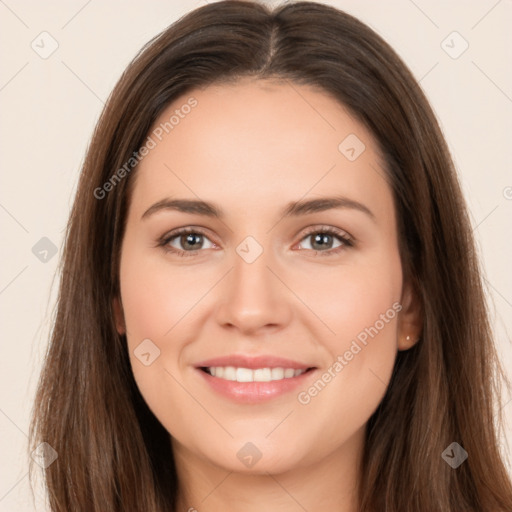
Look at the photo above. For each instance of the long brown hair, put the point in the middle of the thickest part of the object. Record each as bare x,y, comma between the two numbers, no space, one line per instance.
113,454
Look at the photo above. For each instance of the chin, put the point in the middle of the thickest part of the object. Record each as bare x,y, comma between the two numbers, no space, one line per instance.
250,460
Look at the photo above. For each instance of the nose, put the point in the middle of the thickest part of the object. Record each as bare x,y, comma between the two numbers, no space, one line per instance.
253,298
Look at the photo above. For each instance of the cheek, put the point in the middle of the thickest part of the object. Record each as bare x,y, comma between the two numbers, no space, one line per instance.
361,305
159,303
351,299
156,296
152,306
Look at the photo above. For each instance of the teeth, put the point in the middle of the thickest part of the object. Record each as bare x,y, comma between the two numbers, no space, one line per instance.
248,375
277,373
244,375
262,375
289,372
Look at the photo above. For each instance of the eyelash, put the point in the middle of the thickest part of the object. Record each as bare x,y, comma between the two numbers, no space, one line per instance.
346,241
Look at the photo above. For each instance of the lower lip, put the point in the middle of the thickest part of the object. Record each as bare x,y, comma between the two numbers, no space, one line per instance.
254,392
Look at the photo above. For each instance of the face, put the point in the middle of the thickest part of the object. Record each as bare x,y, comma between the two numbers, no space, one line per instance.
264,336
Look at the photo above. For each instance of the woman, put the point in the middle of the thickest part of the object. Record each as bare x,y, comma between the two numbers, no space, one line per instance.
270,296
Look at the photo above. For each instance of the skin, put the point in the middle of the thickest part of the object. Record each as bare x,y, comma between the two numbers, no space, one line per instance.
251,148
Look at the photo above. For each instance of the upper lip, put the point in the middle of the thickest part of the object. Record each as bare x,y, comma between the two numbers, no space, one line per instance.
253,362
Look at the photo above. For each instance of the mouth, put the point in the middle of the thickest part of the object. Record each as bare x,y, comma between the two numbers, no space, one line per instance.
248,379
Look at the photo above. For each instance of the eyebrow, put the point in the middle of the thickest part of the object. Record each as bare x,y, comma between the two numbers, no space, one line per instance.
293,209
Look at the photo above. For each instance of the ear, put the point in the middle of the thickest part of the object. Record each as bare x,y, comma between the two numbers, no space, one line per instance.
410,319
119,316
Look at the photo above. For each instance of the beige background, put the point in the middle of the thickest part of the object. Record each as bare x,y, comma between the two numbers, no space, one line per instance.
50,105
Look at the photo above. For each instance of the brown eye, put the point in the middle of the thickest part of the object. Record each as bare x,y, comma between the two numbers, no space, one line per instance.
185,242
327,240
190,241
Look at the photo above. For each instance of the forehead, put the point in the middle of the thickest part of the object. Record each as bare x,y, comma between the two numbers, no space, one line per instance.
253,144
